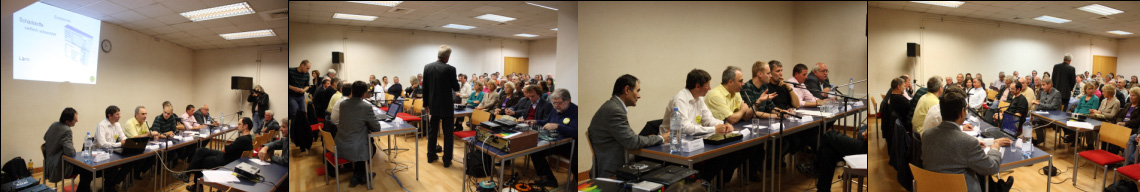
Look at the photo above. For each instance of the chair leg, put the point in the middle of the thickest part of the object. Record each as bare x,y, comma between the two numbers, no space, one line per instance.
1102,182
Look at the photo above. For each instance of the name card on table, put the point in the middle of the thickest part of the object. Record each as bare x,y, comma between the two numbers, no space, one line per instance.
692,145
98,156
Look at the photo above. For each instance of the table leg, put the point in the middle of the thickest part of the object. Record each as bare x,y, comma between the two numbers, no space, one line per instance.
1049,179
570,173
418,157
466,150
1075,149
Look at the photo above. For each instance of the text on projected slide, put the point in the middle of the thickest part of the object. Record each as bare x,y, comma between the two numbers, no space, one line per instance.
52,44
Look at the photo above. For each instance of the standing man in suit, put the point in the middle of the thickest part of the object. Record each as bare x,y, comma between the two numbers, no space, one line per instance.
609,130
1064,78
949,150
441,86
352,142
819,81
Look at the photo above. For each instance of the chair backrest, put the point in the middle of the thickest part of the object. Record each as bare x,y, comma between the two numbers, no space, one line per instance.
408,106
478,116
388,98
247,154
874,105
419,106
1003,106
991,94
260,140
933,181
1114,134
328,142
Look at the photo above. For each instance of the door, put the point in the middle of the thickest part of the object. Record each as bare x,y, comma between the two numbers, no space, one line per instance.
517,64
1104,64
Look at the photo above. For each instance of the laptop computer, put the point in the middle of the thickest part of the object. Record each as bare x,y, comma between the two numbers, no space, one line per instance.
393,109
1010,127
133,146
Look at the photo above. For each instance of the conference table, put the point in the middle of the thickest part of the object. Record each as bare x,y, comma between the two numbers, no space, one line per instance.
161,149
396,126
1013,156
1061,119
273,175
495,153
755,137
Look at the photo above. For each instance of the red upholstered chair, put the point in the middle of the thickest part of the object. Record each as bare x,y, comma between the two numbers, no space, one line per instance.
331,157
1111,134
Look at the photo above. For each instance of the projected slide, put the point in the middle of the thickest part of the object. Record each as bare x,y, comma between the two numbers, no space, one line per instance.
52,44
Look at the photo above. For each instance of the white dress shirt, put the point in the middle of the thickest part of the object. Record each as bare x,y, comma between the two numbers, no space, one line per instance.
977,97
465,91
691,110
334,111
108,135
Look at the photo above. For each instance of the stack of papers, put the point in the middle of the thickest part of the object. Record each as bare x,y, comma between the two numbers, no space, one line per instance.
98,156
1041,112
856,161
219,176
1078,124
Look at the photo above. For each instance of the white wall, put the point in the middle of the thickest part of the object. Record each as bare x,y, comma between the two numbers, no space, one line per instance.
833,33
659,46
213,69
138,71
1128,57
952,45
543,57
389,52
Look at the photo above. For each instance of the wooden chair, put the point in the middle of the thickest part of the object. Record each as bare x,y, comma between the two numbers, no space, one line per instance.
933,181
1002,107
388,98
1112,134
1132,172
875,110
331,157
991,94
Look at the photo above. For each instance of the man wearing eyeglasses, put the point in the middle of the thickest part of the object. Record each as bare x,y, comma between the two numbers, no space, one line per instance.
564,120
819,81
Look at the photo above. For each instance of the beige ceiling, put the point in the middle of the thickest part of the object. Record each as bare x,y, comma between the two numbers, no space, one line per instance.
431,15
161,19
1007,11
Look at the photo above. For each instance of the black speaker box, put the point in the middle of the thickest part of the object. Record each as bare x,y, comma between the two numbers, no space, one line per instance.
912,50
337,57
242,83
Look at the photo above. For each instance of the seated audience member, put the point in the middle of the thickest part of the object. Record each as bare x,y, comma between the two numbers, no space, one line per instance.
396,89
507,98
563,120
689,102
266,151
475,98
530,108
1108,106
1050,100
935,88
609,131
352,142
1129,116
949,150
490,99
977,94
1018,104
270,123
205,158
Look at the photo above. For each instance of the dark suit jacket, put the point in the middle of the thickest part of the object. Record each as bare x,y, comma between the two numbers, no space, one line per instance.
356,121
1064,78
201,118
813,83
57,143
541,111
949,150
611,136
441,84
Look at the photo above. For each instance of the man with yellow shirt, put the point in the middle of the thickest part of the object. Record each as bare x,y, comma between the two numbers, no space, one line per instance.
934,88
137,127
724,102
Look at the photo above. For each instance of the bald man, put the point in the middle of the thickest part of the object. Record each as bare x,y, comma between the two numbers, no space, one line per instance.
818,82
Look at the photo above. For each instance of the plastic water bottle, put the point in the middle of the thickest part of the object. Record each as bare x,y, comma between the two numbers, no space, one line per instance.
88,145
851,86
1027,141
675,131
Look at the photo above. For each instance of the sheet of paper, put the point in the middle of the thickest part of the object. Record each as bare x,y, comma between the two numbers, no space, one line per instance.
259,162
219,176
1041,112
856,161
973,133
1078,124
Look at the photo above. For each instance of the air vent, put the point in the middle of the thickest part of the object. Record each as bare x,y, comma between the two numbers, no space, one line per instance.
274,14
400,10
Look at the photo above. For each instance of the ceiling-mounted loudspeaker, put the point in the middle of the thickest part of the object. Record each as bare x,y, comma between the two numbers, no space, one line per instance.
337,57
241,83
912,50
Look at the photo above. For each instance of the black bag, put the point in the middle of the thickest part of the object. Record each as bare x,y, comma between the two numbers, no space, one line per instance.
14,169
1121,186
478,164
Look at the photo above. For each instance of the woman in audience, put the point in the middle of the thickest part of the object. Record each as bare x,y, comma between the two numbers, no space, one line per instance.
490,98
1088,100
1129,116
476,97
1108,106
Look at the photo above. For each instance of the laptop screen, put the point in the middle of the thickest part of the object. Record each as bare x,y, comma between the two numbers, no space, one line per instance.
393,109
1009,123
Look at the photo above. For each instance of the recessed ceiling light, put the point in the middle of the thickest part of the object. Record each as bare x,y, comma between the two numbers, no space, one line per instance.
953,4
380,3
219,12
1052,19
249,34
555,29
551,8
1119,32
493,17
458,26
525,35
1100,9
354,17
